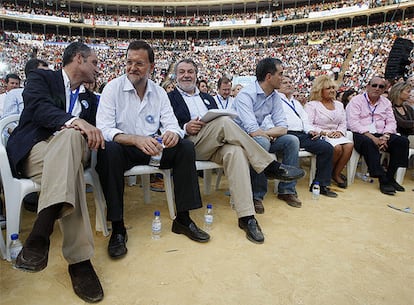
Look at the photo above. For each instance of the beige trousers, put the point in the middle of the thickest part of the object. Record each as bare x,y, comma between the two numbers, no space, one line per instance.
224,142
57,165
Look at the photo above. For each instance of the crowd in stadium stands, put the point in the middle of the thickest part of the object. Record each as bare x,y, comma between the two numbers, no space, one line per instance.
109,18
306,55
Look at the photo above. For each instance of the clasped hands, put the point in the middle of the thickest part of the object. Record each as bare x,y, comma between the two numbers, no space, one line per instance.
152,147
92,134
382,143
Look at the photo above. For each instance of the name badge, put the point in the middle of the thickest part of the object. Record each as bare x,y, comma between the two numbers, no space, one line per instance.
85,104
150,119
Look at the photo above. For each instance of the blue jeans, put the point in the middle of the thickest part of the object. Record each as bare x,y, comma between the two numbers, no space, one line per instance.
286,146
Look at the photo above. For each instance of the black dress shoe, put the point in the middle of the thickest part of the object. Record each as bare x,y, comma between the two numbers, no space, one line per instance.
326,191
342,185
283,172
397,186
191,231
387,189
258,206
34,255
253,230
117,245
85,282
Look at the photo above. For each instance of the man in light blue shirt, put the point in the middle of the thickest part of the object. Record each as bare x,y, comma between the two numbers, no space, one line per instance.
253,104
13,103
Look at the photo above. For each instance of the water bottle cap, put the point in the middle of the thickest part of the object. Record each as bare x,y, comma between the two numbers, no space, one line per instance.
209,206
14,236
316,182
157,213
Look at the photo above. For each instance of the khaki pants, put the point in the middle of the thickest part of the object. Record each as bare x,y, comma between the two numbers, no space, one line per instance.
57,165
224,142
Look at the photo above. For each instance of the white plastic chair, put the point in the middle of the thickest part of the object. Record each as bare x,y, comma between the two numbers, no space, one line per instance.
207,168
16,189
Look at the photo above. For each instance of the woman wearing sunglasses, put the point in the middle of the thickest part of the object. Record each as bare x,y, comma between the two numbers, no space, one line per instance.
371,119
327,115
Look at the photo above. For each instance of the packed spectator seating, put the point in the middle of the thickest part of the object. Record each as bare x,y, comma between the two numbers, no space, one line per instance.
306,55
103,16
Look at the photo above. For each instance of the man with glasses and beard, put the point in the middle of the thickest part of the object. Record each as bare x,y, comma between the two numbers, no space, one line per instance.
371,119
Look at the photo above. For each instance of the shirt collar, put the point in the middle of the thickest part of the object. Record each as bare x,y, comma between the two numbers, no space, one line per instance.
66,82
196,92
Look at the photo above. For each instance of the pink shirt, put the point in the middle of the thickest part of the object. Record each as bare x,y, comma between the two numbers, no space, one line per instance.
325,119
361,114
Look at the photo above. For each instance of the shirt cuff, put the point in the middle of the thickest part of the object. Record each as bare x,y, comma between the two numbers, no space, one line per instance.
68,123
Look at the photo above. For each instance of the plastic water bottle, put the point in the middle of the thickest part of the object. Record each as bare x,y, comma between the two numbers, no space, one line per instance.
15,247
155,160
156,226
316,190
365,177
208,218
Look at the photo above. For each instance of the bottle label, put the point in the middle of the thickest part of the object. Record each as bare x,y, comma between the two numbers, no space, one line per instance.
156,227
14,252
208,219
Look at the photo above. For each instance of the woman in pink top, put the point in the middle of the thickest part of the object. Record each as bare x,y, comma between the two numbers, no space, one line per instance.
328,117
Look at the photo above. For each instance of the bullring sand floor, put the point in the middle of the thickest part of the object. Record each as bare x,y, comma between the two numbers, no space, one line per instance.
345,251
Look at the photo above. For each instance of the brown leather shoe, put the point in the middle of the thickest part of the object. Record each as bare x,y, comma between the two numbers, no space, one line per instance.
258,206
291,200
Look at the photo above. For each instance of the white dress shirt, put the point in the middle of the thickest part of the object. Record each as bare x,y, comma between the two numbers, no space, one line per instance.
121,110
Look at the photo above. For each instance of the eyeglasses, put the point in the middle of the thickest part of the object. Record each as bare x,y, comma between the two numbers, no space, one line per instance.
377,85
328,88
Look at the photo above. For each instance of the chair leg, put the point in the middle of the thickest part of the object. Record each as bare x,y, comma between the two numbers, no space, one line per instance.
168,185
351,167
220,173
100,204
207,181
399,175
312,171
145,180
3,250
13,210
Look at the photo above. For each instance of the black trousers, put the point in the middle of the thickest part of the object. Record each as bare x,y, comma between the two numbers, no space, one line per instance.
324,156
397,148
115,159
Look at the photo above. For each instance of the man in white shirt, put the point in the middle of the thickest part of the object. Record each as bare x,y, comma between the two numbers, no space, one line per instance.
223,98
12,81
132,109
309,139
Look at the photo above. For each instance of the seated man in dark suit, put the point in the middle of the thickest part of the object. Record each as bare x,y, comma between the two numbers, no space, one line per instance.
224,142
49,146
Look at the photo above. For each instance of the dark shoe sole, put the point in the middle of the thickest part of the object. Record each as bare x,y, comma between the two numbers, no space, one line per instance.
30,266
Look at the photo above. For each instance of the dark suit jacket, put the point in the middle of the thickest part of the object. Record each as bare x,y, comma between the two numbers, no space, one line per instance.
44,113
180,107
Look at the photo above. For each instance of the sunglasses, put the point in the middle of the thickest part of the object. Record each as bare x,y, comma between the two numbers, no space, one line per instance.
328,88
377,85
